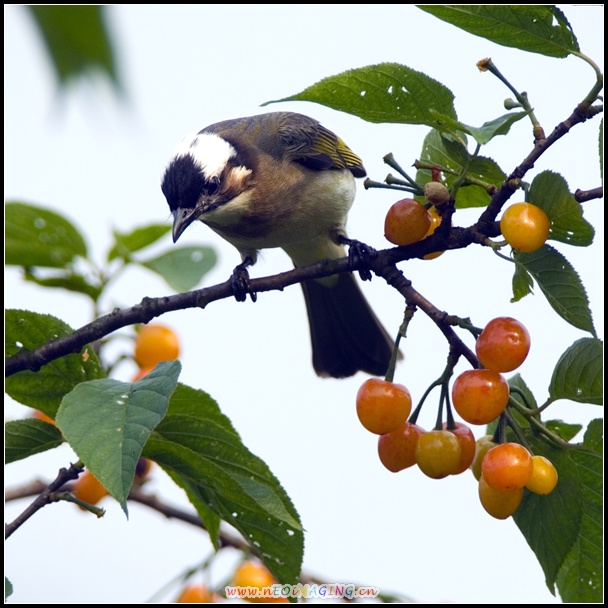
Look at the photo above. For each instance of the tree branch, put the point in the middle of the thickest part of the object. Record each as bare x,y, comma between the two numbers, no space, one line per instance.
582,196
382,263
44,496
580,114
152,501
138,495
150,308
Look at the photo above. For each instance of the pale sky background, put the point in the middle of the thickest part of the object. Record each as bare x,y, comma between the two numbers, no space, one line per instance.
99,163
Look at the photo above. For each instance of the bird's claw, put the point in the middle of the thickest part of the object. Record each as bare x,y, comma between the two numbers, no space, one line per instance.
360,254
241,284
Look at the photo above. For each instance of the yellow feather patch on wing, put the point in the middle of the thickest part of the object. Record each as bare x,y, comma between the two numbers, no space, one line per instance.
342,157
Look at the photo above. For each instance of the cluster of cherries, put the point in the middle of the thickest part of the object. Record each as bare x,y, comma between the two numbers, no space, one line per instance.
524,226
479,396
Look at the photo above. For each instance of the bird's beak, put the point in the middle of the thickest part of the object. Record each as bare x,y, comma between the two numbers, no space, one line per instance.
182,218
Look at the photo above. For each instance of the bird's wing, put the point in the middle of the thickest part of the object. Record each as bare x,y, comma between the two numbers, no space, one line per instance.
307,142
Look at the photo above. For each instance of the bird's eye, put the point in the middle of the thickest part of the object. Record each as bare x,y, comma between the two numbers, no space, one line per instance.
213,184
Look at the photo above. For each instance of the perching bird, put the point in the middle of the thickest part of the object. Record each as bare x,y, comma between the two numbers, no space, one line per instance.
283,180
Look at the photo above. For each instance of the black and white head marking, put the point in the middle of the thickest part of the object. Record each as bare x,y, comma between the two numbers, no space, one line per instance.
209,152
198,167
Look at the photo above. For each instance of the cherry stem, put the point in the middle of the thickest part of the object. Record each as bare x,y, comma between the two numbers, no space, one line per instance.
369,183
389,159
522,98
524,409
443,382
517,430
469,178
414,415
593,94
556,439
451,424
499,434
541,408
439,421
462,176
502,255
531,416
69,497
410,309
465,323
395,181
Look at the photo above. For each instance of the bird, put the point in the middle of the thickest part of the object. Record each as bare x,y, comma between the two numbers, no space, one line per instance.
282,180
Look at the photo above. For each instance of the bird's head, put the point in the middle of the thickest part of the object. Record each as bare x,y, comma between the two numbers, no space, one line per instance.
206,173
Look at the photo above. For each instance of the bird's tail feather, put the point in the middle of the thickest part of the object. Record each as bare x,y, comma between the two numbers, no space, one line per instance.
346,335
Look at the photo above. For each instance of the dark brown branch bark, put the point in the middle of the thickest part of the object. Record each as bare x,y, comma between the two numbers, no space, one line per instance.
582,196
138,495
152,501
382,263
44,497
150,308
581,113
40,489
395,278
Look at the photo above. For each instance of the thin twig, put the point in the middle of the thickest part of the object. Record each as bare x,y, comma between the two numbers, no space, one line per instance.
45,497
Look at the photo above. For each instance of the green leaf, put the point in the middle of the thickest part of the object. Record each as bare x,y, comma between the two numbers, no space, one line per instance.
517,384
77,40
23,438
107,423
45,388
550,192
471,196
66,280
127,243
563,429
199,500
538,29
499,126
560,284
188,400
183,267
550,524
557,526
579,373
487,131
8,588
564,528
446,152
580,578
594,436
199,448
454,149
522,283
38,237
521,393
386,92
486,170
601,149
